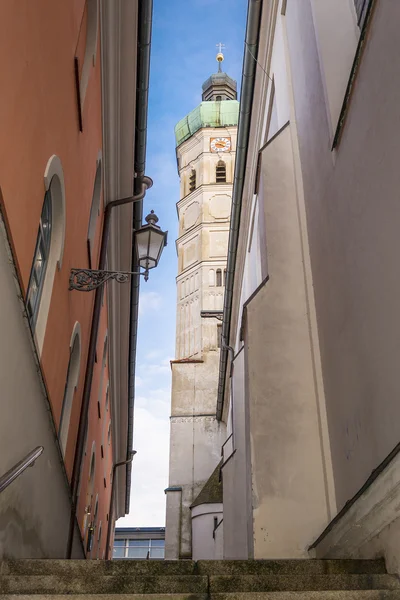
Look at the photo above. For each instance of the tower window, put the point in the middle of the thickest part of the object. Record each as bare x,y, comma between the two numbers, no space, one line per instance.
220,172
192,181
218,98
219,278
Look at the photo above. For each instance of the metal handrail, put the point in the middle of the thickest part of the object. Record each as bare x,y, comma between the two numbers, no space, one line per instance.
14,472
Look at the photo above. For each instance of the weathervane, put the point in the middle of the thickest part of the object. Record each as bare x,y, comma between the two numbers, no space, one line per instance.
220,56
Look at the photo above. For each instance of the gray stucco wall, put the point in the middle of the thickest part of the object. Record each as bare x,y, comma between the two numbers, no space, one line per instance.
238,515
353,213
35,508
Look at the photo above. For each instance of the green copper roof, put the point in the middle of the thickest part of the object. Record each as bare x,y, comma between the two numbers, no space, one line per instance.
207,114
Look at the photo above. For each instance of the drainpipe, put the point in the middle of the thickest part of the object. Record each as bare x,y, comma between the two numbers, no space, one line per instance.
141,184
246,103
146,183
111,511
142,97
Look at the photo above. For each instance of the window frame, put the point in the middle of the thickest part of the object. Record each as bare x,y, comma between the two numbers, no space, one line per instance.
220,176
41,245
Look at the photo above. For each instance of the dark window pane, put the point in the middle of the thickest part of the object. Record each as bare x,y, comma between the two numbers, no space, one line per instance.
119,542
138,542
137,552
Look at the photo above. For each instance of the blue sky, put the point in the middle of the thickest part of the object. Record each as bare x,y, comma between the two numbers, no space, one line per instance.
185,34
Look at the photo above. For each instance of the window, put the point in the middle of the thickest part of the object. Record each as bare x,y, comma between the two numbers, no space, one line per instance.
71,383
94,211
224,276
192,181
219,278
49,250
221,172
218,98
109,434
40,259
139,549
119,549
86,49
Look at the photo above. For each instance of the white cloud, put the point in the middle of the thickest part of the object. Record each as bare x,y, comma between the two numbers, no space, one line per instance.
148,302
150,465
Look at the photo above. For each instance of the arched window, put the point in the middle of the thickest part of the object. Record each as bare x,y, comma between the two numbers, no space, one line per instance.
192,181
218,98
40,260
224,276
220,172
71,383
49,249
219,278
95,210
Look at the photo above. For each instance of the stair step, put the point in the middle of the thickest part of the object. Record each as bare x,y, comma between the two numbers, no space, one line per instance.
311,595
103,584
322,595
115,596
302,582
288,567
98,567
189,567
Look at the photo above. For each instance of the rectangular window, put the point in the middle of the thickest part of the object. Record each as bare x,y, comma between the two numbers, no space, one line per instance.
139,549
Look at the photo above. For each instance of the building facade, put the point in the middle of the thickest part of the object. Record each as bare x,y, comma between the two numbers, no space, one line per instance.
139,543
67,150
308,393
206,146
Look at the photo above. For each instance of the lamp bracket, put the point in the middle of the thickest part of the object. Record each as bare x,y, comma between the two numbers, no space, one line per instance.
86,280
212,314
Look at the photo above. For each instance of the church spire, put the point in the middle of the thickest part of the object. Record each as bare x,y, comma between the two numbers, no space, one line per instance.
219,86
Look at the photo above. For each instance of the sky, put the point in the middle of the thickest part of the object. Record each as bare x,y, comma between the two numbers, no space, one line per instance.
185,34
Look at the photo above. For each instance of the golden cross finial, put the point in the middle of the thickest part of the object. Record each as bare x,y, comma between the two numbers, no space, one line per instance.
220,56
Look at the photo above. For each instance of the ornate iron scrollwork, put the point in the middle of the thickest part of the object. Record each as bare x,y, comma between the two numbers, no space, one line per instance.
87,280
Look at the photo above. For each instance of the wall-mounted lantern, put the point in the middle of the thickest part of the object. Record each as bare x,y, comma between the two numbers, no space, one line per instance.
150,241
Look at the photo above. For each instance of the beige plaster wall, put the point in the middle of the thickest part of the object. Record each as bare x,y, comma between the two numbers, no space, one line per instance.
353,215
35,508
289,495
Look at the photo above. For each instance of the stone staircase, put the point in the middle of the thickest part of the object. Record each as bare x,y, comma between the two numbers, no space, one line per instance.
202,580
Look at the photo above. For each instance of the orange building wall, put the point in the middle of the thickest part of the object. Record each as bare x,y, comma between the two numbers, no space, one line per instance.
39,118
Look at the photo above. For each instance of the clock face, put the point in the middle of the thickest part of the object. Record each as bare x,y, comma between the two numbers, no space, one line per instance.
220,144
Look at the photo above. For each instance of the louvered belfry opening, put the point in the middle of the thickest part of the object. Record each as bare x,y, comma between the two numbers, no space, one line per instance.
221,172
192,181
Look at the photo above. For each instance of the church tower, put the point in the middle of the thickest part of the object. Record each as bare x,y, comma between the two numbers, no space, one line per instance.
205,148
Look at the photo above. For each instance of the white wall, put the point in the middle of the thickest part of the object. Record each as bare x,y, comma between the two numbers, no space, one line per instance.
205,545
